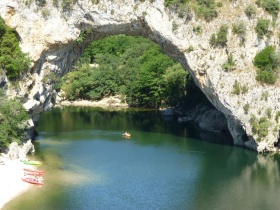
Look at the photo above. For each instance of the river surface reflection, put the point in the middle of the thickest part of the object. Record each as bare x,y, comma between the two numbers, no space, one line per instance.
89,165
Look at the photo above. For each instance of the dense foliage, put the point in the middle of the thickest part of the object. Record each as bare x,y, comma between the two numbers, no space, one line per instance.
268,62
12,60
12,120
130,66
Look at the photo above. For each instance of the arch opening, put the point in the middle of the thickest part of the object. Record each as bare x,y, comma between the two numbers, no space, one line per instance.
182,109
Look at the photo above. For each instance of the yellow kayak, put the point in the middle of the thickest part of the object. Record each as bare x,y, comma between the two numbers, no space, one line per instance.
126,134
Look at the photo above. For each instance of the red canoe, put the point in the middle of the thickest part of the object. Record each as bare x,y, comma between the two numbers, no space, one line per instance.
29,173
38,172
33,180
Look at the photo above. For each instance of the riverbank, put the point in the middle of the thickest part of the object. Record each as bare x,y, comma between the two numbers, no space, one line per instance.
112,101
10,180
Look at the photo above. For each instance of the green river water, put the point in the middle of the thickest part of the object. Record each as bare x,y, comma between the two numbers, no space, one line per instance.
164,165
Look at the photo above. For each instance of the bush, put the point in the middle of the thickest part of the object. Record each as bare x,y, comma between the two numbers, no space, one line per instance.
277,116
265,95
271,6
268,63
268,77
244,89
222,36
263,60
169,3
236,88
12,121
67,5
260,128
269,112
55,3
219,4
213,41
197,29
263,127
262,27
174,26
206,9
174,4
240,29
251,10
230,64
246,108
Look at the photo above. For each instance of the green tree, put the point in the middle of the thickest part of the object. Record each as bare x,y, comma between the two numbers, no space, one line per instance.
175,80
11,56
13,119
130,66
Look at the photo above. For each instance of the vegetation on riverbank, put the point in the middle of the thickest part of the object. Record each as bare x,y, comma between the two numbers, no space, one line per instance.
133,67
13,63
13,119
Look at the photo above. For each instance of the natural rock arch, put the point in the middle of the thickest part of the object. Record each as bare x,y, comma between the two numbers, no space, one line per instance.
49,35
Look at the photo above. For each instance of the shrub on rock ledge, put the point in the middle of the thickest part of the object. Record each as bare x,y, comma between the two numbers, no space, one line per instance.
268,62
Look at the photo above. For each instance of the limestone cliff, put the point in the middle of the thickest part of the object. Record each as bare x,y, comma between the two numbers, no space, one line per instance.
55,38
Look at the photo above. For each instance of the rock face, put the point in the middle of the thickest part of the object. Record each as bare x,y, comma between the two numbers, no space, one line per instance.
55,38
15,151
208,119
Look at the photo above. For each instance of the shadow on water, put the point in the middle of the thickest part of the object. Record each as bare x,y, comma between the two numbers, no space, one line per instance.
239,179
76,118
